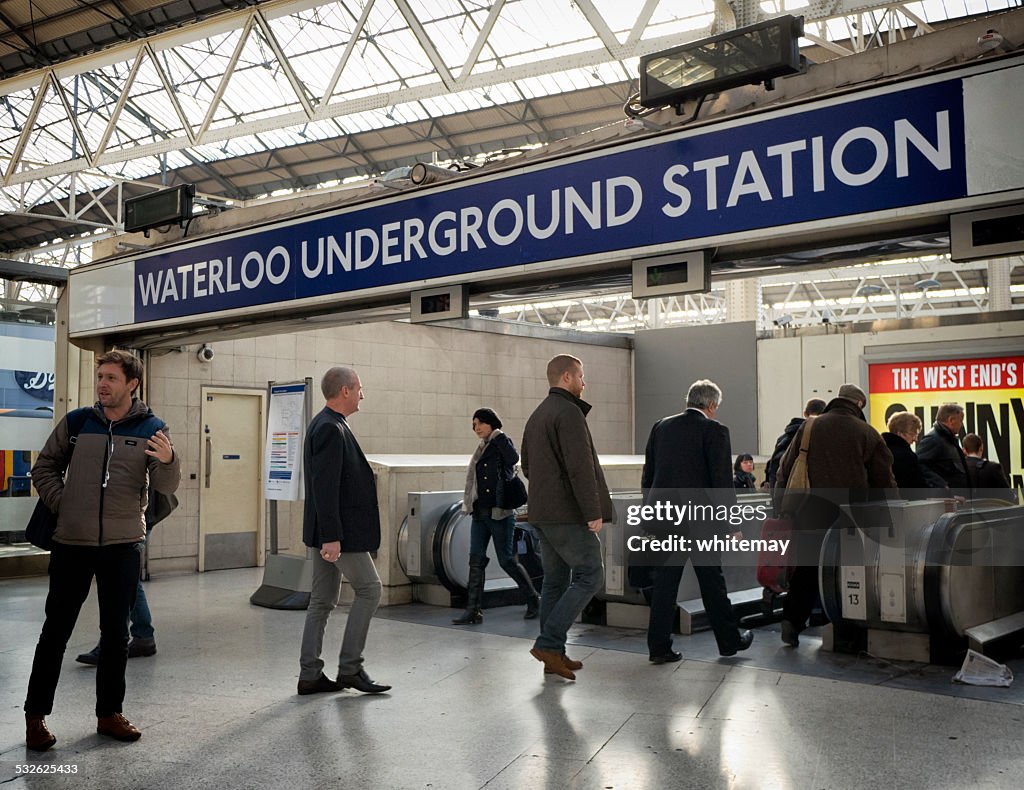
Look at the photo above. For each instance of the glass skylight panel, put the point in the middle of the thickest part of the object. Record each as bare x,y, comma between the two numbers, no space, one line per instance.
258,87
314,41
619,16
50,141
92,97
404,53
193,93
538,25
454,37
14,110
682,14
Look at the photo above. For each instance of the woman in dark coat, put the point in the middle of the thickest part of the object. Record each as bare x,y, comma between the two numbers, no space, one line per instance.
904,429
744,472
493,462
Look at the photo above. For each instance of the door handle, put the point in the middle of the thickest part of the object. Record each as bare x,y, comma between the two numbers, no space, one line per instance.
209,459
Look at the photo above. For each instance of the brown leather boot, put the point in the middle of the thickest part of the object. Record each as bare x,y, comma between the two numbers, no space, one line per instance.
570,664
553,661
38,737
117,726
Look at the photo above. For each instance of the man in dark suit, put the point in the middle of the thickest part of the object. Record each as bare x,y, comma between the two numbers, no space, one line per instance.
689,462
939,451
987,478
342,522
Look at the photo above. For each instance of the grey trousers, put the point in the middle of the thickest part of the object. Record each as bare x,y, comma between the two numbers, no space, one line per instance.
358,568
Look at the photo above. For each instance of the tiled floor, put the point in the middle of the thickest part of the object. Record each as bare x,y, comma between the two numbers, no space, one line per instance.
472,709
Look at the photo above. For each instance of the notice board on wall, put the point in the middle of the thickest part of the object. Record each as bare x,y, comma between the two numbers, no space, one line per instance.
991,390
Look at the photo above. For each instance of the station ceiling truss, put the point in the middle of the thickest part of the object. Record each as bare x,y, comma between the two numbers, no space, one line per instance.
249,97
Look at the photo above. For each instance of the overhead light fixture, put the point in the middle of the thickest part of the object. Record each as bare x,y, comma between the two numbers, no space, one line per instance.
927,284
422,173
750,55
868,290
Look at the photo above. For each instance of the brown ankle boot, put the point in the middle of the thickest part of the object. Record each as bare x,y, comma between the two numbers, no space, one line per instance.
117,726
38,737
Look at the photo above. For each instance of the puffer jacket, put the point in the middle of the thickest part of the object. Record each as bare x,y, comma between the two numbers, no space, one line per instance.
102,497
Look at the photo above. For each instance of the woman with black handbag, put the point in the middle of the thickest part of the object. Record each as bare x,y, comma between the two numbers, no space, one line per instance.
493,491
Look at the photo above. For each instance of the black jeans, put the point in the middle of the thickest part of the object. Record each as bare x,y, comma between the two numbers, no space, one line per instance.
72,568
713,593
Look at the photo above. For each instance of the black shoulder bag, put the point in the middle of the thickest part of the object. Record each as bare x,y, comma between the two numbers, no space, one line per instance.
511,493
43,521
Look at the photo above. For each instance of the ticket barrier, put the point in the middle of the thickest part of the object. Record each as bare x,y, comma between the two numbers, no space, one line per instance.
624,586
433,551
925,583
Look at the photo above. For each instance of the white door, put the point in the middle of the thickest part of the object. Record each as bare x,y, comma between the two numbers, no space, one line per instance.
230,486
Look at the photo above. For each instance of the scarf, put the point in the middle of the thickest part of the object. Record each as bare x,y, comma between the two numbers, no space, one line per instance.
469,496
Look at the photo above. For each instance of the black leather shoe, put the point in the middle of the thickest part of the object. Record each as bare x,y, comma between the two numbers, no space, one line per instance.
666,658
361,682
141,647
92,658
745,640
320,685
790,634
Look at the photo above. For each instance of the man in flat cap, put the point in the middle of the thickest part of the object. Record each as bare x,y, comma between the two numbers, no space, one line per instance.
847,461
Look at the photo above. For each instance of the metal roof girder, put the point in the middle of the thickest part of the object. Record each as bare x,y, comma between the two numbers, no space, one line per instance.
481,40
596,21
172,95
28,127
346,107
293,79
222,86
349,47
440,67
640,25
72,117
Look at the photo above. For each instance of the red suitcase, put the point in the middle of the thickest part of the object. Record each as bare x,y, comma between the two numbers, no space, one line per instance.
773,568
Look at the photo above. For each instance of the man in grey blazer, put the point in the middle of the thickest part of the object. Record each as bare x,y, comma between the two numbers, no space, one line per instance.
342,522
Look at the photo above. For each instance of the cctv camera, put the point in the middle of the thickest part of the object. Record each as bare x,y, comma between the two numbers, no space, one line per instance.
204,354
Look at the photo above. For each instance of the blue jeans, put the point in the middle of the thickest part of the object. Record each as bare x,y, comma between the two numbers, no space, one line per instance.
141,617
483,528
573,572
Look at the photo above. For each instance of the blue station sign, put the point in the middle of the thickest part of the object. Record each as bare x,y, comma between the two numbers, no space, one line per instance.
852,156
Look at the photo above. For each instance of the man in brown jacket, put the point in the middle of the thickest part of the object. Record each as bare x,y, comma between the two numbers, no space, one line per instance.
94,472
847,461
569,502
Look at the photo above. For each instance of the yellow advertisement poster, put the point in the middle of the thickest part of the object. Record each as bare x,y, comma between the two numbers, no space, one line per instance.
990,389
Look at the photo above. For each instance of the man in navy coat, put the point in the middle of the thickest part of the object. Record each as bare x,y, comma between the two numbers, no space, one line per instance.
342,522
689,461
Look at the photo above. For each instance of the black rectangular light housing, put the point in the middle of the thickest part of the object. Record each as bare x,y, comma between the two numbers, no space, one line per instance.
439,304
166,207
758,53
